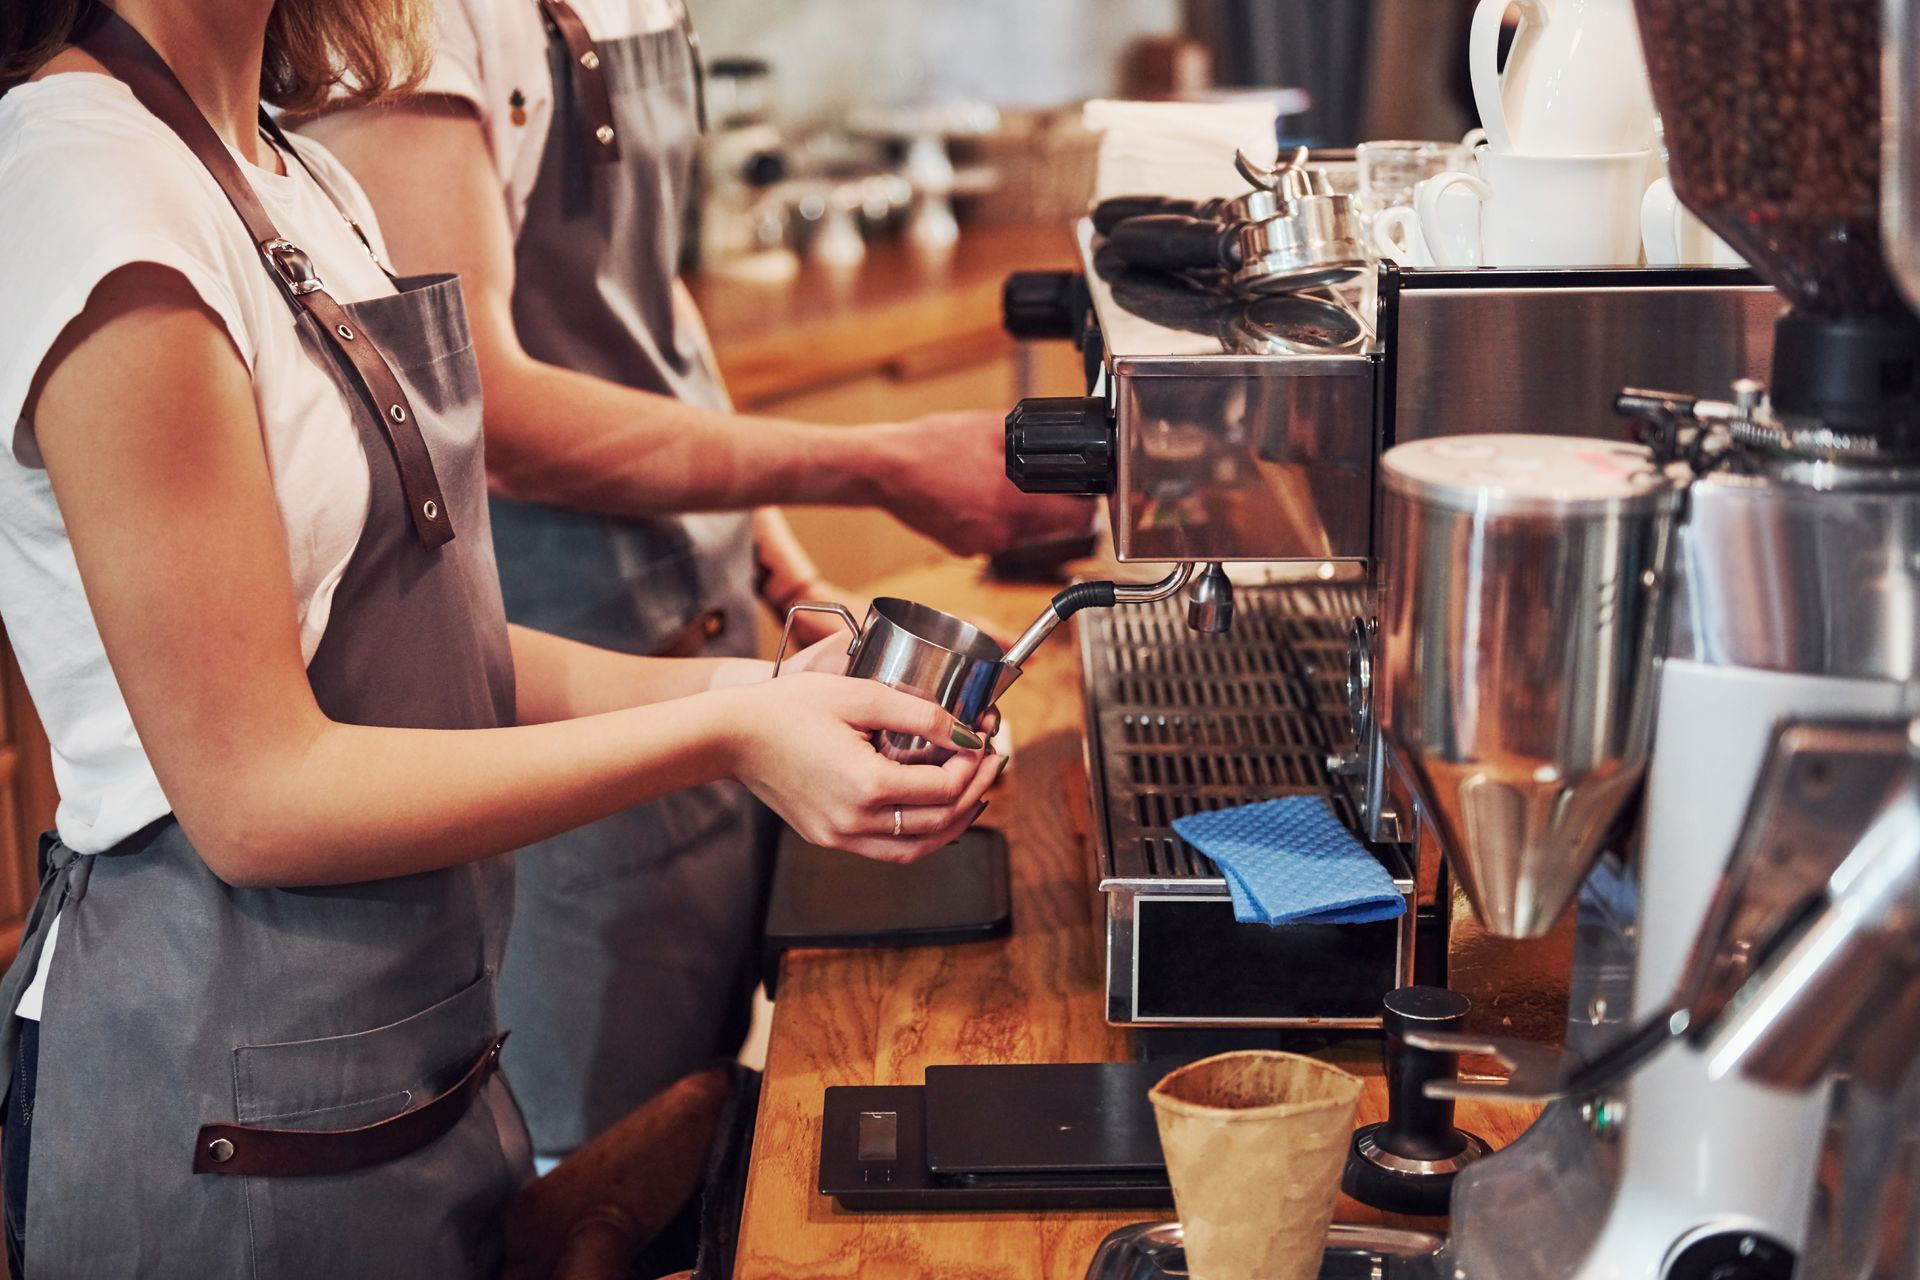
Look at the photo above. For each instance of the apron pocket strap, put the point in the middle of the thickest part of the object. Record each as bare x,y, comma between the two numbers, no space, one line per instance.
286,1153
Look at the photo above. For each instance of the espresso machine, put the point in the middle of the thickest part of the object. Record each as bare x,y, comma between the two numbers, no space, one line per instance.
1224,425
1679,681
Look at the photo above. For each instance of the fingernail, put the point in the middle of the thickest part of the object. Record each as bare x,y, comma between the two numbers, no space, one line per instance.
1002,766
977,812
965,737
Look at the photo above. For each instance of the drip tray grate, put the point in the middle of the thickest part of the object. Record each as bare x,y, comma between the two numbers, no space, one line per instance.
1184,722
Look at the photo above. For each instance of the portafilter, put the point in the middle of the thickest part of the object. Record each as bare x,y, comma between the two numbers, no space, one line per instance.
1288,233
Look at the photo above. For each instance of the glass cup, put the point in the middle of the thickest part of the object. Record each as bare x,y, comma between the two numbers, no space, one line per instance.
1390,170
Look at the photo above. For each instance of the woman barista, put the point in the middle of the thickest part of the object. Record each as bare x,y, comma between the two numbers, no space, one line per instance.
547,160
245,563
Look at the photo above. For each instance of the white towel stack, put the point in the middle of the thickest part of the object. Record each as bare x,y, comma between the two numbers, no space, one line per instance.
1181,149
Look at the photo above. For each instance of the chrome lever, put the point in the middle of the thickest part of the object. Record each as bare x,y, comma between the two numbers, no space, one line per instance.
1537,1073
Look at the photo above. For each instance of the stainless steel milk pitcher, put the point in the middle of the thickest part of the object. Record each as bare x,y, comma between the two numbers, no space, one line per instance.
951,662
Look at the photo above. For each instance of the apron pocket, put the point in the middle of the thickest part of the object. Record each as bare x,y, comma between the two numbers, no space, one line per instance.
341,1081
432,1212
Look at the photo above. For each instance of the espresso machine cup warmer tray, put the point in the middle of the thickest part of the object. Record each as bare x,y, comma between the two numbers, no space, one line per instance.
1180,722
1156,1251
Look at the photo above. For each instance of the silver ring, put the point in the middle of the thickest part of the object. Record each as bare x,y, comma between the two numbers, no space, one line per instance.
898,819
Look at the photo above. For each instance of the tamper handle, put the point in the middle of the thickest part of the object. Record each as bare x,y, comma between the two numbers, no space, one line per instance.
1419,1127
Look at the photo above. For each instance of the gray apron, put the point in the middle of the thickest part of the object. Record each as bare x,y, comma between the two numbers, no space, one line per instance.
632,958
176,1001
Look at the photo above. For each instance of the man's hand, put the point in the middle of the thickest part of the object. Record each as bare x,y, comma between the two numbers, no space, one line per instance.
950,482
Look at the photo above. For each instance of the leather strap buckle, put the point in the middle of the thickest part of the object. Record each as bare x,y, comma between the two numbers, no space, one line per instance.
256,1151
293,266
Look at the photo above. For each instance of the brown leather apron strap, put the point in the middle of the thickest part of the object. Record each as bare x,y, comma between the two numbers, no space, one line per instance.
589,80
289,1153
126,53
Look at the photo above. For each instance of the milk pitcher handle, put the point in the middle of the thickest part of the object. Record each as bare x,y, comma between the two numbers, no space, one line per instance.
812,606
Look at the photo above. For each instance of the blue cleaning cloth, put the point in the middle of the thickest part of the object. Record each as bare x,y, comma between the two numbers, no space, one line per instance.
1291,861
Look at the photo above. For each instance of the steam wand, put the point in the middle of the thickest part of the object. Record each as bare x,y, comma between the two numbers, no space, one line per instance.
1095,595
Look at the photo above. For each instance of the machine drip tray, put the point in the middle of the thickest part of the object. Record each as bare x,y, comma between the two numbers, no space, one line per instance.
1180,723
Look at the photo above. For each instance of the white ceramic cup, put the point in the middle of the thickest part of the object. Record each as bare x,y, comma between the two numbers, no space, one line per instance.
1522,211
1424,235
1574,84
1672,236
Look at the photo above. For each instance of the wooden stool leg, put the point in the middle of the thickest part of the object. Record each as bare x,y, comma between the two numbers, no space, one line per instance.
590,1217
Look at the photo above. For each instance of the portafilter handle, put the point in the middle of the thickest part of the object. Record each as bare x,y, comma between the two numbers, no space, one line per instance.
1114,210
1176,242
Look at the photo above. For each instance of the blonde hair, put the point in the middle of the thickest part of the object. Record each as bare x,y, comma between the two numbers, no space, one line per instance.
316,50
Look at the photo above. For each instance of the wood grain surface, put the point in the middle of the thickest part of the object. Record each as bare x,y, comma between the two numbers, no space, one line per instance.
883,1016
901,310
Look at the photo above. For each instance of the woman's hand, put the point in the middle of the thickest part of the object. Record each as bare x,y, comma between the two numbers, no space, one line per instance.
827,657
800,744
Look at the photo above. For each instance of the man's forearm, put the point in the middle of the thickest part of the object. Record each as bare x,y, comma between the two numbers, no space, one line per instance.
571,440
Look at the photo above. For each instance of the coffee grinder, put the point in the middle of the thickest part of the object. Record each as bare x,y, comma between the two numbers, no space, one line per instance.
1771,541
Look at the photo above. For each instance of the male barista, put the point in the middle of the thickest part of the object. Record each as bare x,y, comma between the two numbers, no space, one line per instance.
548,160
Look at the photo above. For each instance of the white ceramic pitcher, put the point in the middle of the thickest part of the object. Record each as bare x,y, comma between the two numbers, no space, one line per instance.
1575,82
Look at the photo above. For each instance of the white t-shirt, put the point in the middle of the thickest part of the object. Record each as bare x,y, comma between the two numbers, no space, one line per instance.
493,53
91,182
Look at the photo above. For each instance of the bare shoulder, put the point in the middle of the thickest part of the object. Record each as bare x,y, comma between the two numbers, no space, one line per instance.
138,318
69,59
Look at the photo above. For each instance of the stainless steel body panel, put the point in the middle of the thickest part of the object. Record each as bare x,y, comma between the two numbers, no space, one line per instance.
1549,360
1812,572
1249,429
1243,424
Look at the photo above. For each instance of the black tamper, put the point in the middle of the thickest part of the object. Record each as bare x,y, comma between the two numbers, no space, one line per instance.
1406,1163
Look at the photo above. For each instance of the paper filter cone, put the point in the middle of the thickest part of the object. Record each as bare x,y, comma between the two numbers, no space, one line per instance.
1255,1142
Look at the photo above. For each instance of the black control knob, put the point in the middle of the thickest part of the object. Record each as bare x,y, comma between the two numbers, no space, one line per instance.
1060,444
1037,306
1407,1162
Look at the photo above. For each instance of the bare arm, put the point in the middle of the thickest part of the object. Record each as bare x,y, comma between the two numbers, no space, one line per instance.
576,441
560,679
178,542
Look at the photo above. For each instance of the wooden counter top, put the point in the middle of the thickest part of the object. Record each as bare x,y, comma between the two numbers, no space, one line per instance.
898,308
883,1016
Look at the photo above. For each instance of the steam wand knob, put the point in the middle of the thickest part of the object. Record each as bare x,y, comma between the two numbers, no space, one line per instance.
1407,1162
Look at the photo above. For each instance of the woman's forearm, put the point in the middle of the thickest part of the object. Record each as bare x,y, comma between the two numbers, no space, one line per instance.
346,803
561,679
